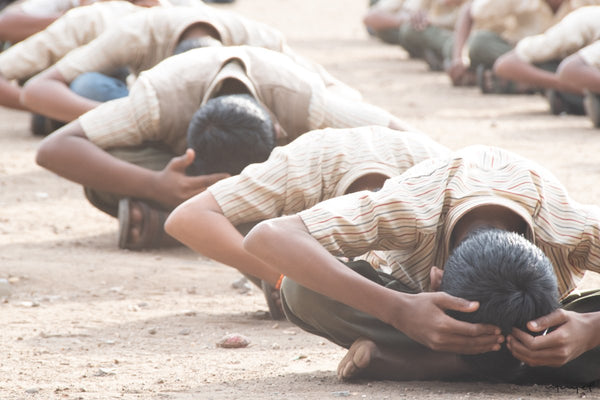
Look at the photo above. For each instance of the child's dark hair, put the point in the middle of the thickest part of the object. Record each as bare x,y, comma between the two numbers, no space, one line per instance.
228,133
512,280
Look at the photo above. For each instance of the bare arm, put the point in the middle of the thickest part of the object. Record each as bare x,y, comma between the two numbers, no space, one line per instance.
200,224
462,30
380,20
10,94
48,93
285,244
69,153
578,73
510,66
16,25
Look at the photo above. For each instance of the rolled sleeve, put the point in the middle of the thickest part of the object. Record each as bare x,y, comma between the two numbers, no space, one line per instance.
128,121
591,54
328,109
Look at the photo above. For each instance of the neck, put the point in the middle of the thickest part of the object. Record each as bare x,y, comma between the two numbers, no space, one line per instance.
491,216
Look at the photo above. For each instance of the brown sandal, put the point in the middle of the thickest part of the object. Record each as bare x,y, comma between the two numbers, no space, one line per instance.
152,233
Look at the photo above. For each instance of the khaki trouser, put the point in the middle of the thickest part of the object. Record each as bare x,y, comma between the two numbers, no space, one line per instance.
485,47
343,325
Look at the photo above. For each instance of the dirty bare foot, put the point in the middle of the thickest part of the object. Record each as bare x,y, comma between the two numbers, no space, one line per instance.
357,360
365,359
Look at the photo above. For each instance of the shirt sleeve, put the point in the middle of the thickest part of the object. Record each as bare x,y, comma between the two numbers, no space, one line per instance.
47,7
258,193
111,50
591,54
128,121
328,109
559,41
389,219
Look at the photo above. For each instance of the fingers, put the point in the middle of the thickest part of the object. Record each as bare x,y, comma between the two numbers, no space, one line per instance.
535,351
181,162
449,302
555,318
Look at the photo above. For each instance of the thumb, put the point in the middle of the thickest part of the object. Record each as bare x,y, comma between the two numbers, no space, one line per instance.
183,161
449,302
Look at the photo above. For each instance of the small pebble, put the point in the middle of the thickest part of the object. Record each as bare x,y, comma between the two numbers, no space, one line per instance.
185,331
343,393
152,331
233,341
32,390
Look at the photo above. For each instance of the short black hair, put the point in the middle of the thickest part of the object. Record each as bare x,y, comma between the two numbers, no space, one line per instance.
514,283
228,133
196,43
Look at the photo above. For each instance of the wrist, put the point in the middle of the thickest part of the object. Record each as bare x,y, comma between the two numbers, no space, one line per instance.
396,311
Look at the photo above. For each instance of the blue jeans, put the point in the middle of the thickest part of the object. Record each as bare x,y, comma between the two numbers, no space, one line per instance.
99,87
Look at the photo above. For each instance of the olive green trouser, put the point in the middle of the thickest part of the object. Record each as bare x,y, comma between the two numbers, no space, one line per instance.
343,325
414,41
485,47
151,157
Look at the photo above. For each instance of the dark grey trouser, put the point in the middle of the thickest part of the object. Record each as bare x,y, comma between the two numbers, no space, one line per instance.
151,157
343,325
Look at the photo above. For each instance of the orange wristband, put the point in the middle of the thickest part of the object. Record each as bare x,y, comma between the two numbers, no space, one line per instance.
278,284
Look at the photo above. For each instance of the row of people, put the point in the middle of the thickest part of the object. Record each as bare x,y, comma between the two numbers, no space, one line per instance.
529,46
351,181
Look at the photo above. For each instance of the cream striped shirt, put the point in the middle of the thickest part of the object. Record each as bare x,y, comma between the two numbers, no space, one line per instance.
194,76
577,30
412,216
74,29
591,54
318,165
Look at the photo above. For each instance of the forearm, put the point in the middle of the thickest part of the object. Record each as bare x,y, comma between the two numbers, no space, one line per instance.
16,25
285,244
55,99
462,30
10,94
68,153
209,232
579,74
379,20
510,66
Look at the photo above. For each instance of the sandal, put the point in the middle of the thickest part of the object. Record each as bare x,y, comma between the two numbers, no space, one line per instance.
152,233
592,107
273,299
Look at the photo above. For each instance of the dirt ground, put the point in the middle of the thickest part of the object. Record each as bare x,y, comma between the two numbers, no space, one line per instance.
89,321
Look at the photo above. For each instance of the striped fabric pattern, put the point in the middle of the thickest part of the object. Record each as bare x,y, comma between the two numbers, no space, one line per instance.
410,216
318,165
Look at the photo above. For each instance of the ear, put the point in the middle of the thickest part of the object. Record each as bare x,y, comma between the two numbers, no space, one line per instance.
435,278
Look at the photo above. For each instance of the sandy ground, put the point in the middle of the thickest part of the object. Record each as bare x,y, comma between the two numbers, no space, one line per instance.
89,321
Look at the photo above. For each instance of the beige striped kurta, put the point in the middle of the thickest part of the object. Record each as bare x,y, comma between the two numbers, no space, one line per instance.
76,28
318,165
412,216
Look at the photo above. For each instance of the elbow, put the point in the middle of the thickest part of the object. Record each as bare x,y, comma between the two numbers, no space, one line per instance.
262,233
504,66
176,219
43,157
570,68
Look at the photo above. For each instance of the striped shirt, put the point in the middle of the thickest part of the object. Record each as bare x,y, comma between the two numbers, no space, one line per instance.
577,30
162,101
413,215
74,29
514,20
318,165
591,54
143,40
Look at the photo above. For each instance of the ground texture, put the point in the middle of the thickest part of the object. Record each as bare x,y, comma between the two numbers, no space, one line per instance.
88,321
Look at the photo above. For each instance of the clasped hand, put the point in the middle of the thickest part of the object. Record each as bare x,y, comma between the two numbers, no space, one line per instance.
425,321
571,335
173,186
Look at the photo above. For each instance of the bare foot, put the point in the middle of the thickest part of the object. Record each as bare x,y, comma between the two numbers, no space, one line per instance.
357,359
135,224
365,359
